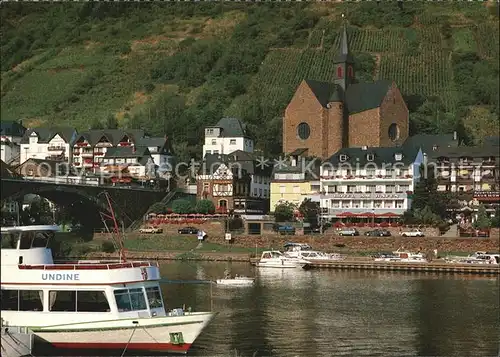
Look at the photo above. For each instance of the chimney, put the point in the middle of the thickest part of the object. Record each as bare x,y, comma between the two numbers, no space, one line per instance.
454,136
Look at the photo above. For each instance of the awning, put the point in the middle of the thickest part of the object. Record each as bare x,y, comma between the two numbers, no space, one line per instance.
347,214
388,214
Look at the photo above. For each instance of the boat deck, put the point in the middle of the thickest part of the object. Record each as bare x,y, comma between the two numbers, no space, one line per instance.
434,267
89,265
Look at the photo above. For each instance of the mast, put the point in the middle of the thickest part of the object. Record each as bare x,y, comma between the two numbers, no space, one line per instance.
118,239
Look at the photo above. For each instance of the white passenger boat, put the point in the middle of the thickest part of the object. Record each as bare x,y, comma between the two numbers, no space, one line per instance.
276,259
305,251
236,281
89,304
402,256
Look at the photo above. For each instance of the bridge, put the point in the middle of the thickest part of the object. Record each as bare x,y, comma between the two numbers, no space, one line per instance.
86,201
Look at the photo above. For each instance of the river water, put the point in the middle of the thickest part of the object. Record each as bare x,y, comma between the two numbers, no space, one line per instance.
293,312
335,313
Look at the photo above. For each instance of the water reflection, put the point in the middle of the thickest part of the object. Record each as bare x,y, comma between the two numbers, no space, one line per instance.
292,312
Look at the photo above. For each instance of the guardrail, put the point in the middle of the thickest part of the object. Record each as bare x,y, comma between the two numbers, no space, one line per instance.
88,265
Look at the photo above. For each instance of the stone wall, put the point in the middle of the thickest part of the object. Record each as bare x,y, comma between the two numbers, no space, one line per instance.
370,244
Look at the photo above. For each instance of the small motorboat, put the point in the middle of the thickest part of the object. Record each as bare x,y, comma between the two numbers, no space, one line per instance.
275,259
236,281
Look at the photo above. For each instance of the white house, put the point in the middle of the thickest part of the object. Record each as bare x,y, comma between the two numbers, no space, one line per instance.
91,146
48,144
161,151
227,136
11,135
369,182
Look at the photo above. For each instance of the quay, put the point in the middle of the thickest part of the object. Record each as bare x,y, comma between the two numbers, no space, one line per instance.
16,341
431,267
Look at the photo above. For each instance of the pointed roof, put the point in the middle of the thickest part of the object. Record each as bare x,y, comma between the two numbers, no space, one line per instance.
344,55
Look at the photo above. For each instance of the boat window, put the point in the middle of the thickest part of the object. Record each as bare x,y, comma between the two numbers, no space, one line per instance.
41,239
9,300
266,256
9,240
91,301
62,300
26,239
30,300
154,297
130,299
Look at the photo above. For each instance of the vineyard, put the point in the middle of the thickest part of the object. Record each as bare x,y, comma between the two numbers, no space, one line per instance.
418,60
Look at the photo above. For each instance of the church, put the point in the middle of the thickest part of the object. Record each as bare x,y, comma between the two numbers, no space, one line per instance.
323,117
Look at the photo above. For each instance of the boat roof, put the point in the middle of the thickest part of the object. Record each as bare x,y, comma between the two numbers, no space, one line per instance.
37,228
292,244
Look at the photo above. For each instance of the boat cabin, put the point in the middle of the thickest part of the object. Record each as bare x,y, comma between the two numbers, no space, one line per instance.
296,247
27,245
271,254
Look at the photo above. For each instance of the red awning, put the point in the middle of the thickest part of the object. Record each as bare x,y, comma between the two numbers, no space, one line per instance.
388,214
346,214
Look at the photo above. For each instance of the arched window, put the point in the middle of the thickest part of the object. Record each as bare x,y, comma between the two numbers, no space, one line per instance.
339,72
303,131
350,72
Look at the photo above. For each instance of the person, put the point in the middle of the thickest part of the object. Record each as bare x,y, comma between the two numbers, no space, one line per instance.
226,274
200,235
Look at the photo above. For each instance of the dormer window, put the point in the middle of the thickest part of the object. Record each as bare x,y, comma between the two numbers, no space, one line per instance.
398,157
370,157
343,157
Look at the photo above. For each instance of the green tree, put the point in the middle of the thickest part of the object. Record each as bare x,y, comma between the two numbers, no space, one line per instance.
495,221
205,207
426,216
482,221
309,211
284,211
111,122
182,206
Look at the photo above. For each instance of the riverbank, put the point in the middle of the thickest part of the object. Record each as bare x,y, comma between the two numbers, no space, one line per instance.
186,247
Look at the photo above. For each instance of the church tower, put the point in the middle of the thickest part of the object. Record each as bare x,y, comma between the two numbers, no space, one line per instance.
344,62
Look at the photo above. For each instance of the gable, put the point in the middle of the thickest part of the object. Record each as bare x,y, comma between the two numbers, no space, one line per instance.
302,94
223,172
57,139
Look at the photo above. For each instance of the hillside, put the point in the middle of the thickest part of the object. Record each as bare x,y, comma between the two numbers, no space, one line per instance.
175,67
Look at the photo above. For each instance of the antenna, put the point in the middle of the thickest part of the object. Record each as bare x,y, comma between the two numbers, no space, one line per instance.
118,239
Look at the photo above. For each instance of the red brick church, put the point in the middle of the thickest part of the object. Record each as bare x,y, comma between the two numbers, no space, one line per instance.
324,117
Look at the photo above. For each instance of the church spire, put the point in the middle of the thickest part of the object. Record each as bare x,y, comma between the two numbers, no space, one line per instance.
344,61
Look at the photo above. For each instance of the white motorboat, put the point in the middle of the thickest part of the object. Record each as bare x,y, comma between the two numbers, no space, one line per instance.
402,256
236,281
114,305
276,259
476,258
304,251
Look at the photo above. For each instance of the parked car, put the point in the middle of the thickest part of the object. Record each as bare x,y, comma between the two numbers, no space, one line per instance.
348,232
378,233
318,229
188,230
152,230
413,233
284,229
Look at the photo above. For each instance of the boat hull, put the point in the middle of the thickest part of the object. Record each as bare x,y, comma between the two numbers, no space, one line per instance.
146,335
280,266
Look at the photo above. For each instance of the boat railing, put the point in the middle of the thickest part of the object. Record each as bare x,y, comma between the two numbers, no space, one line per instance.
82,265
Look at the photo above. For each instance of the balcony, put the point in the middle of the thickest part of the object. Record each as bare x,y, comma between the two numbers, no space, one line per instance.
56,158
364,178
87,154
56,148
362,212
83,144
364,195
487,195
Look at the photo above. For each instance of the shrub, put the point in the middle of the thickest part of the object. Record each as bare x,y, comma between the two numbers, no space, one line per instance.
108,247
205,207
182,206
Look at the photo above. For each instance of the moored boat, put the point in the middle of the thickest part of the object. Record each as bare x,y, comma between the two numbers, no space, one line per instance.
276,259
305,251
402,256
114,305
236,281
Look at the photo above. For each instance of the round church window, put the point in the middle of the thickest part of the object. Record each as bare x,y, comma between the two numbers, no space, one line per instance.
303,131
393,131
